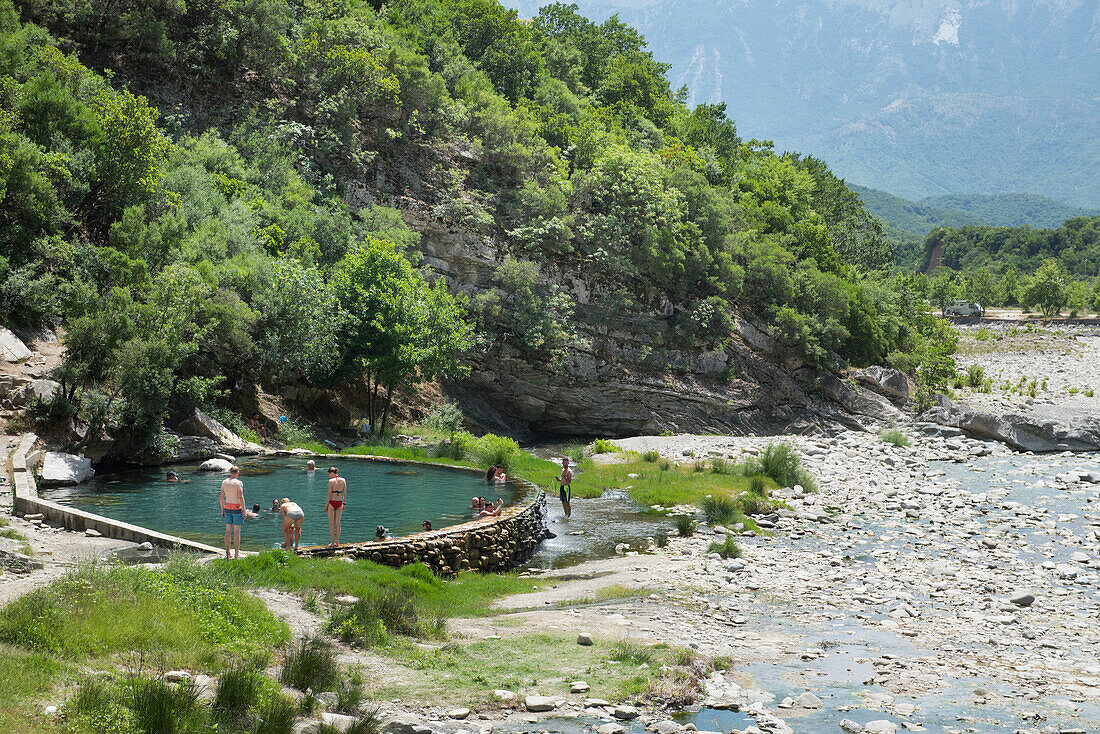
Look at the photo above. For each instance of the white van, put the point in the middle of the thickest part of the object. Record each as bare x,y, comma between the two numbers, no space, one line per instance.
964,308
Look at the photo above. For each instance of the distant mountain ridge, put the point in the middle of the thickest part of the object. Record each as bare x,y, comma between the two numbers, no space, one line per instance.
917,97
998,210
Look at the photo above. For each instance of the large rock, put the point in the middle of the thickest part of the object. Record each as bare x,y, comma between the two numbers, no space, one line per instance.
63,470
215,465
12,348
35,391
1022,432
855,400
200,424
403,724
886,381
538,704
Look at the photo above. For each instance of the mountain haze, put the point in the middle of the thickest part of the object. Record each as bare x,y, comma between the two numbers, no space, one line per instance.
915,98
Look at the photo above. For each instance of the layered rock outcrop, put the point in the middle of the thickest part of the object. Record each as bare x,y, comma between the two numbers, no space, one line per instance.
632,374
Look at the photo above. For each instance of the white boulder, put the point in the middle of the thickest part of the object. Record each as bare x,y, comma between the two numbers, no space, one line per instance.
12,348
63,470
215,465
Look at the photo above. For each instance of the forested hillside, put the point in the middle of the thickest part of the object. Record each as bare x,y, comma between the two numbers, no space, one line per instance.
219,194
1041,269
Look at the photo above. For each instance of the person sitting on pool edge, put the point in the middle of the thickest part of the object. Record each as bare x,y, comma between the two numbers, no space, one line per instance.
382,532
293,517
335,502
491,511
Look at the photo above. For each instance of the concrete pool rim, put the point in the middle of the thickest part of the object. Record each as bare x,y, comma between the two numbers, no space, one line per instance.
527,510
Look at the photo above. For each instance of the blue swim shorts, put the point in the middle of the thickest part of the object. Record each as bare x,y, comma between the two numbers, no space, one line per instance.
234,517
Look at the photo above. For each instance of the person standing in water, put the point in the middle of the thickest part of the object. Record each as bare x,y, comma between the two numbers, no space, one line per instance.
335,503
565,494
293,517
232,502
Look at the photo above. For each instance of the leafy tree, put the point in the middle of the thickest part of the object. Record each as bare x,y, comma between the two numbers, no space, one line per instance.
399,328
299,319
1047,288
943,288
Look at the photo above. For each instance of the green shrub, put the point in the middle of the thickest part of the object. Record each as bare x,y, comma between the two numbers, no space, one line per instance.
445,418
1089,392
975,375
293,433
685,525
894,436
1074,391
311,664
349,695
727,548
781,462
719,510
722,465
495,450
754,504
651,456
959,381
982,334
603,446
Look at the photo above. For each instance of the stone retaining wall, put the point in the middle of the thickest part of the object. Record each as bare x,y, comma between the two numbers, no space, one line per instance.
27,502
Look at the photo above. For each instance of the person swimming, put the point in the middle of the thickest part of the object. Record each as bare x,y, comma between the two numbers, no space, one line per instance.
171,476
426,526
253,513
491,511
382,532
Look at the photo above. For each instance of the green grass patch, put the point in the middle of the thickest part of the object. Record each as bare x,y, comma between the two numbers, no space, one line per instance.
656,484
187,613
12,534
26,679
532,663
466,595
603,446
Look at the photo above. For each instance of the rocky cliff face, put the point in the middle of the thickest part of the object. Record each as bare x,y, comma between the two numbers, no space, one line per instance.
626,379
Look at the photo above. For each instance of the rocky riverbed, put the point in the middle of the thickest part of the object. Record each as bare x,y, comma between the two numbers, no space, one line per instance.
912,592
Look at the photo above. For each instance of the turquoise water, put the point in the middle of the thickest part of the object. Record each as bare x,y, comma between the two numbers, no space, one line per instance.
399,496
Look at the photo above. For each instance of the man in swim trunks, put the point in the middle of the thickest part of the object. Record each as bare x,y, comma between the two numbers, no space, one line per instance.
335,503
293,517
565,494
232,502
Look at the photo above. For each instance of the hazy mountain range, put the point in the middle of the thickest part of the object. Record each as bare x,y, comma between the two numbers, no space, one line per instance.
916,97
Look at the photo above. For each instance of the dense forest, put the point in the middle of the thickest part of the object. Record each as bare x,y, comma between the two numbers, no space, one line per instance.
210,195
1041,269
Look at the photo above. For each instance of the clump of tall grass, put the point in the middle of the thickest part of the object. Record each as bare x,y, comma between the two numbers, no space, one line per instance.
575,452
238,691
311,664
719,510
370,620
685,525
631,653
895,437
782,464
975,375
651,457
727,548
